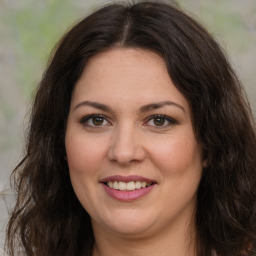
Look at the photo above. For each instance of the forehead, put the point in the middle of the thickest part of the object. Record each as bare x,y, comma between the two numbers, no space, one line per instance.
130,74
130,61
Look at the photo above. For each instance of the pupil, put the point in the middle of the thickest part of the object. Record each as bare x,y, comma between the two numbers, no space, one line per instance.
159,121
97,120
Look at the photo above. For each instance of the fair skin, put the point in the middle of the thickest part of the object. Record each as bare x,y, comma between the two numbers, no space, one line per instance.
129,123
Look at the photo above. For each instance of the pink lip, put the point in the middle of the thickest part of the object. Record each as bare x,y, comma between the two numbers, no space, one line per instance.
127,196
126,178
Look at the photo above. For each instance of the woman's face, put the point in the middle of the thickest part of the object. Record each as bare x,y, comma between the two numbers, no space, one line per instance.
129,127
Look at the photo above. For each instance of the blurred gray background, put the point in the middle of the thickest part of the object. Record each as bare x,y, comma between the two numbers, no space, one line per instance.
29,29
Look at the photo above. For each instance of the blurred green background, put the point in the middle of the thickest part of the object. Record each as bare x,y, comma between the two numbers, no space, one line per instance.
29,29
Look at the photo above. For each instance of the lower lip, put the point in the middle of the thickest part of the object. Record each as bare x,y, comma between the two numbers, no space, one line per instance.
127,196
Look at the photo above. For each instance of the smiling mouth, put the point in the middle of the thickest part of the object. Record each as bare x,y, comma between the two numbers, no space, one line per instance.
128,186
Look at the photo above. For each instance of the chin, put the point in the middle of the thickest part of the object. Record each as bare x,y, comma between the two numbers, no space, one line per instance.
128,223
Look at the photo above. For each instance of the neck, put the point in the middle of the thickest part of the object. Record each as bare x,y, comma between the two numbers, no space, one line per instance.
165,242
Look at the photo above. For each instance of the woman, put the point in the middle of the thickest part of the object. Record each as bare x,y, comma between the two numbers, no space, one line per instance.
141,142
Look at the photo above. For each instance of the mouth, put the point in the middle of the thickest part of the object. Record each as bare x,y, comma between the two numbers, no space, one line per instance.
128,186
127,183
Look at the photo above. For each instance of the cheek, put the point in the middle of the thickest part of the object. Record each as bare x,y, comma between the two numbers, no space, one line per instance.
177,155
83,155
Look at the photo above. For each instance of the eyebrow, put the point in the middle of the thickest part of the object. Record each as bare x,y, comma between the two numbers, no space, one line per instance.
93,104
143,109
157,105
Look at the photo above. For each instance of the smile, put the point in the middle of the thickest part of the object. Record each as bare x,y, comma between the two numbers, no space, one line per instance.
128,186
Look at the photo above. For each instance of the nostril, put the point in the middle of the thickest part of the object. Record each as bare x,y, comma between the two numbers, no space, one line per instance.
126,154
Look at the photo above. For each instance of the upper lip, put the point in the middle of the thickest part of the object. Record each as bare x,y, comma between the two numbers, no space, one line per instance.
126,179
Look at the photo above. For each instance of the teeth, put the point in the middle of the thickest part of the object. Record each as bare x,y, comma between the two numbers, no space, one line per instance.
128,186
115,185
143,184
122,185
137,184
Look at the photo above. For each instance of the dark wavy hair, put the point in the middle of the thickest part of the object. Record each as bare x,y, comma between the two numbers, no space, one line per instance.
48,219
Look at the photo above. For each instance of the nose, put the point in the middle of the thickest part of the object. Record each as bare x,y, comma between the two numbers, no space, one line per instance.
126,147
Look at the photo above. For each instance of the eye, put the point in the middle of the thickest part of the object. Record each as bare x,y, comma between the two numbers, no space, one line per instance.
160,121
95,121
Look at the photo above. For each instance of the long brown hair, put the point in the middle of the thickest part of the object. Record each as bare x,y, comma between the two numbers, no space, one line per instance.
48,219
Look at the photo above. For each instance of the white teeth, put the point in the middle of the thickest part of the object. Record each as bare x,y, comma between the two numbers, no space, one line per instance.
138,184
129,186
110,184
122,185
115,185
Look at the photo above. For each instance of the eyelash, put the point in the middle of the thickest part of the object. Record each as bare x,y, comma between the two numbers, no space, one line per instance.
168,119
85,121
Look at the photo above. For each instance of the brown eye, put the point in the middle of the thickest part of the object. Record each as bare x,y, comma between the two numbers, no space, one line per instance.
159,121
97,121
